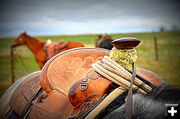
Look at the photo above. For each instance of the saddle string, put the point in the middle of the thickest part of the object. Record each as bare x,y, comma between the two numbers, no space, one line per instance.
129,101
26,109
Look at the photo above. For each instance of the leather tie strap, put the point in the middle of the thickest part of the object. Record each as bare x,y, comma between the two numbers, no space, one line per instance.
29,104
129,101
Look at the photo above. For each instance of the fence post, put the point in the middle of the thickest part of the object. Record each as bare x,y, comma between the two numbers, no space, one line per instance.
156,48
12,66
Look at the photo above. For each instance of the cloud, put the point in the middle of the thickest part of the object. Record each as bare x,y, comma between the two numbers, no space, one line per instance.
86,16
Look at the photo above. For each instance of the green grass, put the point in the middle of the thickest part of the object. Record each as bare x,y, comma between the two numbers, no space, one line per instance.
168,65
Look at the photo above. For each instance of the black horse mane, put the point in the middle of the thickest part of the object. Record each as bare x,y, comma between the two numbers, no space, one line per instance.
151,105
166,93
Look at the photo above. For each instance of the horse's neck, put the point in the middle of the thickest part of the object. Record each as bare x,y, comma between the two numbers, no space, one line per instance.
34,45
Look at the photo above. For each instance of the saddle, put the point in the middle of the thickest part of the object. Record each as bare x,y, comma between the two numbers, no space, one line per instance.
53,48
67,86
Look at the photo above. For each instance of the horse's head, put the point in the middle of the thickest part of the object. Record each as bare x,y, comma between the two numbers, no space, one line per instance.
20,40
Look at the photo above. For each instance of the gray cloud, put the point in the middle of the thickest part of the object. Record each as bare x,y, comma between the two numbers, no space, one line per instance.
81,16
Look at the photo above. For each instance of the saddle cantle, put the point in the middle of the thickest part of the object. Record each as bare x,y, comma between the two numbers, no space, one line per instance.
65,85
65,69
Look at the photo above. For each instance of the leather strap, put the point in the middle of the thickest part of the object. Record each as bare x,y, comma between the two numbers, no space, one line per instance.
128,103
29,104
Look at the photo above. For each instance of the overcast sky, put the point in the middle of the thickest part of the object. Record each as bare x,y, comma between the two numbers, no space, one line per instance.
48,17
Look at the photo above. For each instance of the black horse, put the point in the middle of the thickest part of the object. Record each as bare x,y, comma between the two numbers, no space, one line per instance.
104,42
148,106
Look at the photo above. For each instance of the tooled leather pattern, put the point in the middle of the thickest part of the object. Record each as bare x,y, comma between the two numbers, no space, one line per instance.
82,100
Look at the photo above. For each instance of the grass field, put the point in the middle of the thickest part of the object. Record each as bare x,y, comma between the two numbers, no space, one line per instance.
168,65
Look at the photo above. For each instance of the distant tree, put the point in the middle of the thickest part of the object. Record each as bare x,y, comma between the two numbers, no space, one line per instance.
161,28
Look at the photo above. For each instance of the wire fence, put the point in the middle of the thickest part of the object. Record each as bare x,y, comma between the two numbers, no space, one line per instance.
23,62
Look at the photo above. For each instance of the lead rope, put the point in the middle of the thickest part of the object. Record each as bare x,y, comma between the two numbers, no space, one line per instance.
129,101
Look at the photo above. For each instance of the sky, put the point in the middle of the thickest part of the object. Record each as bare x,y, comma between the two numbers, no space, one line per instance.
54,17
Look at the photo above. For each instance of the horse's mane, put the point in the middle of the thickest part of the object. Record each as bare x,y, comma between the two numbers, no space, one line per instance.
34,40
144,105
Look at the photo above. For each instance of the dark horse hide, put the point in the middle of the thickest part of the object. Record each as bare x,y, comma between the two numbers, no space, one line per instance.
106,44
148,106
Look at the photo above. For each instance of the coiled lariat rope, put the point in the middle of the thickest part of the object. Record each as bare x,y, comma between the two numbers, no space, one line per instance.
113,71
117,74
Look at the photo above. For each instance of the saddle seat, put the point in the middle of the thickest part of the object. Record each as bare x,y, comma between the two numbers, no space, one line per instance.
58,75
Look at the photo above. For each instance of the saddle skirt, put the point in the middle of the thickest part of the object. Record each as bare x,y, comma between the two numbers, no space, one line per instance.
60,78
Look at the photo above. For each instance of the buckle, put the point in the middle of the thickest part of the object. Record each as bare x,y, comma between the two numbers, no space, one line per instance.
83,86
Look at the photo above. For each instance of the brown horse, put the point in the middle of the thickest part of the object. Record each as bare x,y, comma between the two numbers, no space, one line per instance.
43,51
104,42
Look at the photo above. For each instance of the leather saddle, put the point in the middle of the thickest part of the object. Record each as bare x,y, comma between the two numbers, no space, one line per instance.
47,94
53,48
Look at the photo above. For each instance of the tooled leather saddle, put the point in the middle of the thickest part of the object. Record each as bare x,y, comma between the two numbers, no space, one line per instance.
61,90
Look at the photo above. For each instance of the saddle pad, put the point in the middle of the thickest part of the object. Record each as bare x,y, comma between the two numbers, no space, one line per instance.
64,69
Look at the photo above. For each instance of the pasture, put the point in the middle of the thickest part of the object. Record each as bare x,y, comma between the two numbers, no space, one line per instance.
168,65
